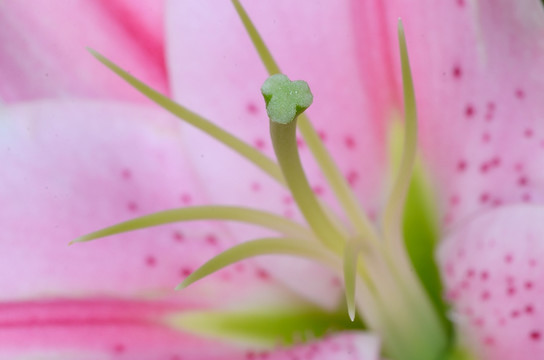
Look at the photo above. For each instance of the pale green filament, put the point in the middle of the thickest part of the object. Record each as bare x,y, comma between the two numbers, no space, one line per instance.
241,147
233,213
392,216
351,255
326,163
268,246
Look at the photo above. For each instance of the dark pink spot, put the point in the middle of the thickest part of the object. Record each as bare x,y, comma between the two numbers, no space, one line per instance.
322,135
528,133
287,200
511,291
514,313
508,258
461,165
119,348
470,273
484,197
349,142
526,197
461,3
496,161
263,274
255,186
132,206
535,335
186,198
150,261
352,177
469,111
211,239
126,174
486,137
484,167
520,94
523,181
528,285
486,295
457,72
454,200
259,144
184,272
252,108
529,309
484,275
300,143
318,190
489,341
178,236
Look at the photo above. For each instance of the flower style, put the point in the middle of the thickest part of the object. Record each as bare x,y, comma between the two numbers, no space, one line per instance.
476,91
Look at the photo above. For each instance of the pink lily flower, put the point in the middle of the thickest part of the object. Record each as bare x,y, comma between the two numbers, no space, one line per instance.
473,104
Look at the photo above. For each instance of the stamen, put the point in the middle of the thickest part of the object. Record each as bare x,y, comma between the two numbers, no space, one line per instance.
251,216
392,216
325,161
284,101
351,255
249,152
268,246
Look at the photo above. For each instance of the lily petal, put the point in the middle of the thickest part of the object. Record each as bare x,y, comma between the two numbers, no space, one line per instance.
74,167
42,48
100,329
478,92
493,273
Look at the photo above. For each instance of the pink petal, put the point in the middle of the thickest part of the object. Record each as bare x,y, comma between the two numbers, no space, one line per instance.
343,346
101,329
215,71
76,167
42,48
493,273
478,89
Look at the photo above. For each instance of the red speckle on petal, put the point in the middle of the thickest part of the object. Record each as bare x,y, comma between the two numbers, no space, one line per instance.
119,348
457,72
211,239
508,258
186,199
178,236
126,174
469,111
486,137
252,108
520,94
349,142
352,177
535,335
263,274
259,144
529,309
150,261
528,285
461,3
528,133
132,206
322,135
461,166
484,197
255,186
184,272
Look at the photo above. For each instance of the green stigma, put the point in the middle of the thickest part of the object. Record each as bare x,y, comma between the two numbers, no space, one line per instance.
285,99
